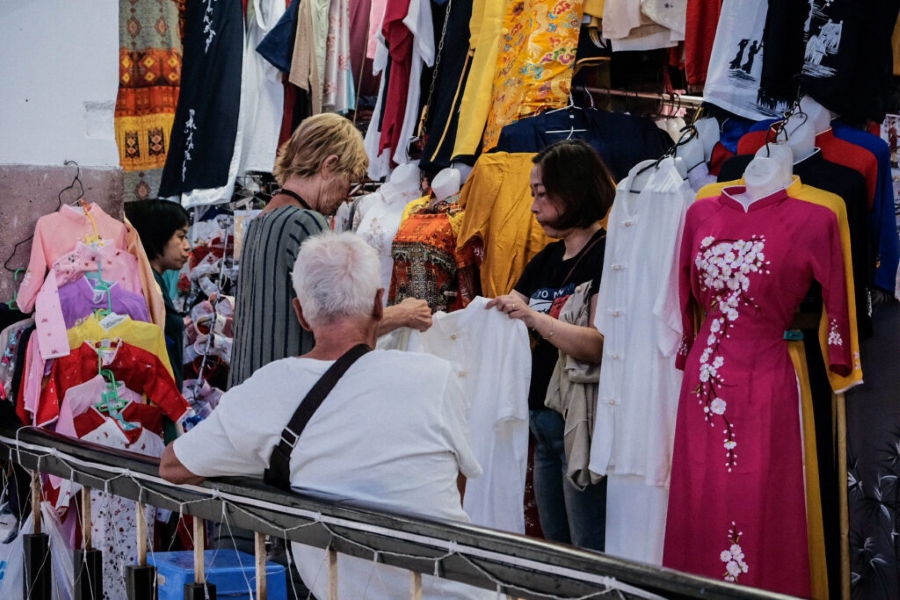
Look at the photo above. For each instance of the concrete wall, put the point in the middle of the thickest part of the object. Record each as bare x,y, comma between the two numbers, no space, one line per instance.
59,68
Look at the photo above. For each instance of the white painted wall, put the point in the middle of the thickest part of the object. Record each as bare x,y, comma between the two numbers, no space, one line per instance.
59,73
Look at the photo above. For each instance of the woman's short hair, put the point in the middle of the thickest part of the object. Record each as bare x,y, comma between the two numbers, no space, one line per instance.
156,221
314,140
336,275
575,176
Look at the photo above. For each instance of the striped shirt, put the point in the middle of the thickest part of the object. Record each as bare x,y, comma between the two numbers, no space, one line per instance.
265,326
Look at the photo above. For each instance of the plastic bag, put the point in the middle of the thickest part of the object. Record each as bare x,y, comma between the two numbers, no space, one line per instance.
12,559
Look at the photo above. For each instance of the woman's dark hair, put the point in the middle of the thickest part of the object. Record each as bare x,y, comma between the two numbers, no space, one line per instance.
574,174
156,222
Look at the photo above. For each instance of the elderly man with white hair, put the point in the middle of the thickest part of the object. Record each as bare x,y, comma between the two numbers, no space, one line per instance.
395,442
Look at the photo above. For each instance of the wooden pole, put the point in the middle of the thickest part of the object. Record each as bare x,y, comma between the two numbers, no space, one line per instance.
332,574
260,553
415,585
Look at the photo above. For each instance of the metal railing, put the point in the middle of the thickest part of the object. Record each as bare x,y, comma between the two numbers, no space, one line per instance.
515,565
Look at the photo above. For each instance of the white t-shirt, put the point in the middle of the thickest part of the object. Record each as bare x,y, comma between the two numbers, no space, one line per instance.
392,433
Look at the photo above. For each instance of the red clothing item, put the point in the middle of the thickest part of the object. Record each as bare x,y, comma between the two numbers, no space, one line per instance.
701,20
738,427
141,371
399,41
718,157
833,149
145,415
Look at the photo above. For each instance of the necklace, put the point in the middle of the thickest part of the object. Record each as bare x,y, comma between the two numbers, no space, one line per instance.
293,195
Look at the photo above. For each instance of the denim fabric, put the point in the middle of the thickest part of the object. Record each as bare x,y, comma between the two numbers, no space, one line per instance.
567,515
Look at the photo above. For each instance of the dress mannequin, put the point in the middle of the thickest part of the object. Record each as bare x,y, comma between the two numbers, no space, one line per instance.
770,171
801,134
445,184
692,151
708,132
818,114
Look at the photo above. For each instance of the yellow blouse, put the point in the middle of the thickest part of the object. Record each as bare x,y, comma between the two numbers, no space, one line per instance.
145,336
497,202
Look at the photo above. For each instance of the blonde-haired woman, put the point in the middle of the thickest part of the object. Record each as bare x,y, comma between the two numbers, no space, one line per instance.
315,169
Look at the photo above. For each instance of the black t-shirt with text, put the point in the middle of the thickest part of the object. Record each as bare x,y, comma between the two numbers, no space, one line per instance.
548,281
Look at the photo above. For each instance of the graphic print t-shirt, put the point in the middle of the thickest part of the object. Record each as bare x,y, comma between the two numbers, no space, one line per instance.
847,63
736,63
547,283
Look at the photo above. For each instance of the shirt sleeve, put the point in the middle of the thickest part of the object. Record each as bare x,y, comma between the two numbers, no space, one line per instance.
230,441
828,269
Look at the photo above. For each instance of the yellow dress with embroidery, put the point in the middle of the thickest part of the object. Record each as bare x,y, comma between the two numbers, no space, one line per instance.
535,62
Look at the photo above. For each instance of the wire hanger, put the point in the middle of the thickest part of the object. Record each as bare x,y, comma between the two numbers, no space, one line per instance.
77,180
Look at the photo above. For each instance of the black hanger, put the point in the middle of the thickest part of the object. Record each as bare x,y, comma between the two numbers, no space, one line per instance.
71,186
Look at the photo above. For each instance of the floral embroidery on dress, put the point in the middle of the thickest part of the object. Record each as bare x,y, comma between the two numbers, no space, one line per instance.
725,267
834,334
734,556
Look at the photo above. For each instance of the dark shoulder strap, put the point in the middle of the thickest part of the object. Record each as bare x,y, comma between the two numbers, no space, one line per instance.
278,473
582,254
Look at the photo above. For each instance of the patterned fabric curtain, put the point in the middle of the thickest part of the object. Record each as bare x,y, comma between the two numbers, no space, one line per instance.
150,56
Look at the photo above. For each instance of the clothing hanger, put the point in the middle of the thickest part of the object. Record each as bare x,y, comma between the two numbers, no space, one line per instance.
571,108
77,180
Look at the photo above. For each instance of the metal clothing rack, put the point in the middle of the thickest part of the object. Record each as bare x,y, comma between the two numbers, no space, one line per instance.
673,98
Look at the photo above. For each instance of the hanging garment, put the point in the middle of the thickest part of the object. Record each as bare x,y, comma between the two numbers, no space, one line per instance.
638,315
428,263
80,298
117,267
339,95
485,29
491,355
152,294
206,121
813,195
732,262
847,63
882,219
784,42
497,201
527,81
621,140
57,234
833,149
732,81
10,341
419,22
150,64
139,370
701,19
645,25
849,185
265,93
399,40
882,222
450,76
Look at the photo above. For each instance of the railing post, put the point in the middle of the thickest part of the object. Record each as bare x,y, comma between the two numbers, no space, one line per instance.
332,574
200,589
88,560
415,585
260,553
140,579
38,571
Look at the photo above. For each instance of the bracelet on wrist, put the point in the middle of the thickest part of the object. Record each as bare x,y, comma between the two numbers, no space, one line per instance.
550,332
